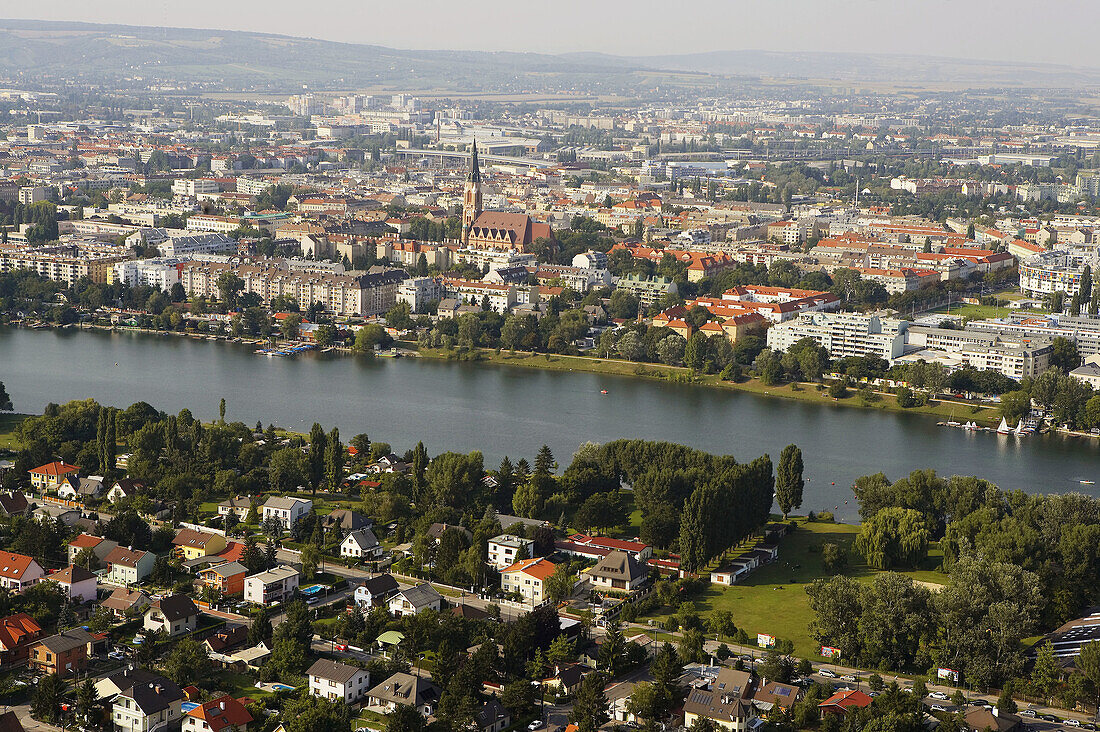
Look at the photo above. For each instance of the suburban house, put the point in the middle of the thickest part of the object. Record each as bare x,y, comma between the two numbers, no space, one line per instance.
79,584
287,511
129,566
151,706
114,684
77,489
274,585
17,634
492,717
347,520
981,718
405,690
361,544
527,578
618,571
375,592
63,654
100,547
227,578
18,571
224,714
414,599
334,681
192,544
124,602
13,504
436,531
843,701
598,547
239,505
227,639
776,694
125,488
729,573
175,615
726,703
504,549
49,477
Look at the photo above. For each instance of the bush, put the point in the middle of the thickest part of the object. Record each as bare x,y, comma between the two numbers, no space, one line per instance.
838,390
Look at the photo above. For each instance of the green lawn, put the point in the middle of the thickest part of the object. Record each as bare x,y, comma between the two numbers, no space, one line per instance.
773,599
972,312
8,423
233,683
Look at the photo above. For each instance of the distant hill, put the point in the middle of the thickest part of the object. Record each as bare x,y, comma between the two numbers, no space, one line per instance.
237,59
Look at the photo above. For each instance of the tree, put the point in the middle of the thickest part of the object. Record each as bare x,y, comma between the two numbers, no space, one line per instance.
893,537
290,642
187,662
334,460
287,470
833,557
406,718
5,400
310,713
1088,663
644,702
560,584
49,695
1046,673
260,630
590,704
691,647
519,697
788,479
229,288
86,704
311,557
1065,356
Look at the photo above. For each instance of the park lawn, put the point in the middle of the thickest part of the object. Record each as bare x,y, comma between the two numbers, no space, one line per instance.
972,312
8,423
773,599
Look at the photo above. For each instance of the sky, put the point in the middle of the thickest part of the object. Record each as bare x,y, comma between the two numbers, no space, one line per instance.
1033,31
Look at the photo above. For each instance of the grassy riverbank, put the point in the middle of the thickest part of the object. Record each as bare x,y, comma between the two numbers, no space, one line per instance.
959,411
8,423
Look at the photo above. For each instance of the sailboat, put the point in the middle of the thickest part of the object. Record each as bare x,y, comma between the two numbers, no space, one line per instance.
1003,428
1021,430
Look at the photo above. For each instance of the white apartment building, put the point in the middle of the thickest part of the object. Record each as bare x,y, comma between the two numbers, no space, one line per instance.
527,578
417,292
274,585
187,244
209,222
1016,357
501,297
843,334
287,511
160,272
194,186
504,549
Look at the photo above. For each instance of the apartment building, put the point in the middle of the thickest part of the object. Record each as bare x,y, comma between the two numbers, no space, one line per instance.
649,290
63,262
274,585
501,297
504,549
185,244
286,510
417,292
159,272
843,334
1014,356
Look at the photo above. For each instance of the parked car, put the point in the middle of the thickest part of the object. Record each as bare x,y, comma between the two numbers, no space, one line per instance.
827,673
1027,712
938,708
849,677
537,724
1072,723
939,695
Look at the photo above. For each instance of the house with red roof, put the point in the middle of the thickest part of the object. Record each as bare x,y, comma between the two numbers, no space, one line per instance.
598,547
18,571
842,702
224,714
100,547
17,634
527,578
50,476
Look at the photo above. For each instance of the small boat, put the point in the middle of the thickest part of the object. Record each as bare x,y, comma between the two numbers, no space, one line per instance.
1003,428
603,391
1087,482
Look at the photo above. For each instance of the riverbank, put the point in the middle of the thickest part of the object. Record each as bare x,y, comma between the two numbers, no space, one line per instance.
802,391
8,423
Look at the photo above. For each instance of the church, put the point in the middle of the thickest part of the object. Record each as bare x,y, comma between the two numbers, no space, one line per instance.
496,229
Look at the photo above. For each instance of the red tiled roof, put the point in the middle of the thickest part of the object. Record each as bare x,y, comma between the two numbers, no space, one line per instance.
55,469
14,566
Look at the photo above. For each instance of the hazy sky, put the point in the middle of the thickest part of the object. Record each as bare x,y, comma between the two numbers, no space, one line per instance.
1055,31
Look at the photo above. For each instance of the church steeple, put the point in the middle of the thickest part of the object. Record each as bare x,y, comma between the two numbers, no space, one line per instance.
471,198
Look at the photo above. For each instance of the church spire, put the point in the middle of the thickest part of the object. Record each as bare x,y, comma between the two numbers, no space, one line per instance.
475,169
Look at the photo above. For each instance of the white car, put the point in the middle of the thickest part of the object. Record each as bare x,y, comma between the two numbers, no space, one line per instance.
1072,723
938,708
1027,712
849,677
537,724
939,695
827,673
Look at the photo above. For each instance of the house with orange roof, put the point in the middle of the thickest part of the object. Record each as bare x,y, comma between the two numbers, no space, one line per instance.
224,714
18,571
78,583
527,578
17,634
192,544
100,547
843,702
49,477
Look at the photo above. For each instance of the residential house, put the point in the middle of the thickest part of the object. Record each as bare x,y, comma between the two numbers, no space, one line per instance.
78,583
100,547
492,717
405,690
618,571
226,578
274,585
50,476
74,488
436,531
151,706
239,505
726,702
347,520
567,678
174,615
13,504
124,602
17,634
731,572
64,654
334,681
111,686
65,514
224,714
375,592
129,566
125,488
388,464
776,694
527,578
979,719
226,639
597,547
504,550
843,702
192,544
414,599
286,510
18,571
361,544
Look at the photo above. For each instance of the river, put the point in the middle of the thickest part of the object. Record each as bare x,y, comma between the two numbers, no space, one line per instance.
513,410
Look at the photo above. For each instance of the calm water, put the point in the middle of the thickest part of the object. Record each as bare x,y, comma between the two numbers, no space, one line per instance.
502,410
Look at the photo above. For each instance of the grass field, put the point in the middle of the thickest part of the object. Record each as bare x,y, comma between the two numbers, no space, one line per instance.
773,599
8,423
972,312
